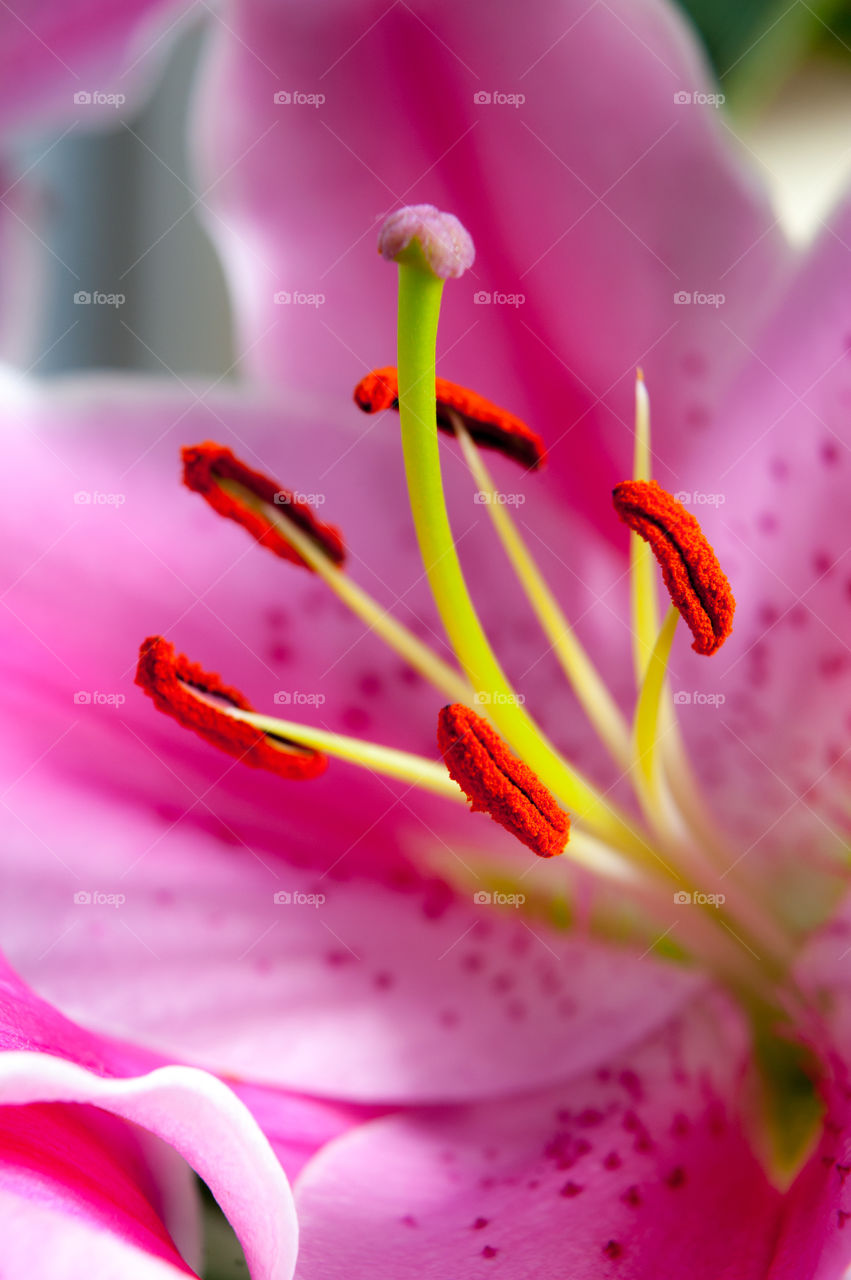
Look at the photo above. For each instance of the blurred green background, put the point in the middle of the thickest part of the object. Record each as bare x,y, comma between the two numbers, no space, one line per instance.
756,45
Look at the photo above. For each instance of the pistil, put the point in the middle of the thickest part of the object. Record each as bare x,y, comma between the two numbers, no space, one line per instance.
420,292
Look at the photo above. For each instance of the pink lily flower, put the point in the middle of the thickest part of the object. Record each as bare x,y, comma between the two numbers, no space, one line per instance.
96,1137
622,1100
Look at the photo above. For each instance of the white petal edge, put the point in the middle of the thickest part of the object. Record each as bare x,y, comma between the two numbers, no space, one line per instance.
176,1103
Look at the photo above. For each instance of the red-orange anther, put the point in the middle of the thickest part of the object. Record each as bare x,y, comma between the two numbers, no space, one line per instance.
488,424
497,782
206,465
697,584
174,684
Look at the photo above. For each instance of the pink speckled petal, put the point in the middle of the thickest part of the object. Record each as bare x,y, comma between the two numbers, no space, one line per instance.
772,485
637,1169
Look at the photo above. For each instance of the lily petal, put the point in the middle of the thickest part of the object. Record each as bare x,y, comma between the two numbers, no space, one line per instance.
637,1168
57,1152
772,478
64,60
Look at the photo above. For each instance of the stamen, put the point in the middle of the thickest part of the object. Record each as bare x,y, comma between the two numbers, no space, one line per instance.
497,782
693,576
584,678
488,424
200,700
286,535
389,761
644,604
212,470
646,728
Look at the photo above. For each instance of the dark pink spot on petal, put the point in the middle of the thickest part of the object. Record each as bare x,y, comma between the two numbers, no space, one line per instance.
613,1249
356,719
630,1081
480,1223
681,1125
489,1251
571,1189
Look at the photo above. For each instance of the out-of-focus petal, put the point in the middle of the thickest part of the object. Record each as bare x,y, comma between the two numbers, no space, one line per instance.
69,61
554,132
771,487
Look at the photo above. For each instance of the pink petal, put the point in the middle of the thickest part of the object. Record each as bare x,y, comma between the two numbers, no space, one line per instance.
637,1169
814,1239
598,198
779,462
53,51
394,990
383,992
76,1194
63,1155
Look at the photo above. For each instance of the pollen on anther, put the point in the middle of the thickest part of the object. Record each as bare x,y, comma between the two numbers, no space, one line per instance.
199,699
206,466
695,580
497,782
489,425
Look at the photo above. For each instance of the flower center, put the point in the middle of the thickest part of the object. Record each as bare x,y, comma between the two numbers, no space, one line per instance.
497,755
663,852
